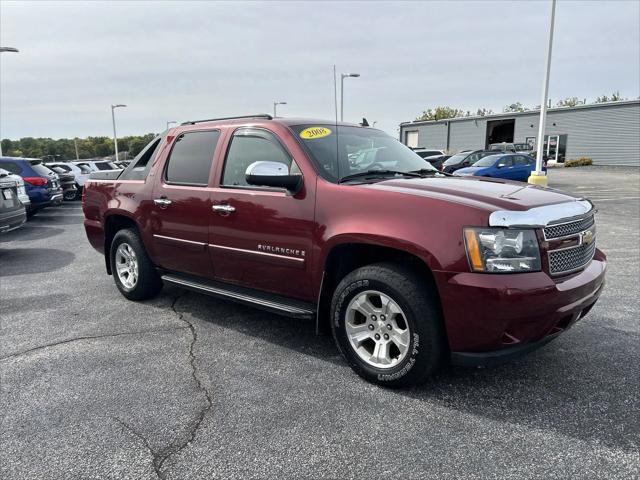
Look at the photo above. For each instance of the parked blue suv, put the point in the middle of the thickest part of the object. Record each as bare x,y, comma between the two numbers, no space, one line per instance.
504,165
41,183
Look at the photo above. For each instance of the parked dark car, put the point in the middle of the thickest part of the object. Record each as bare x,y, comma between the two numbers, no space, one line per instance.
12,212
463,159
427,152
42,184
436,161
502,165
67,182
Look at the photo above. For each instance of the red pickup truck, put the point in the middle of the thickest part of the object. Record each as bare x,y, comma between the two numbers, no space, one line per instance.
408,267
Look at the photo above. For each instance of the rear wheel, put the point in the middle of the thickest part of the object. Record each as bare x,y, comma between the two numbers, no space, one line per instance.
387,325
70,195
134,273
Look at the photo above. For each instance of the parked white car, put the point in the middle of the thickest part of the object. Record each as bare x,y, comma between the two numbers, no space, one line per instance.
98,165
81,172
22,192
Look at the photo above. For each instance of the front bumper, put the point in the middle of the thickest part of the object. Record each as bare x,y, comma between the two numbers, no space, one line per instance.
491,318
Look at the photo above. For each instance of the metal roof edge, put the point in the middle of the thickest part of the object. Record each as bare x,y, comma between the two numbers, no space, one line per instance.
518,114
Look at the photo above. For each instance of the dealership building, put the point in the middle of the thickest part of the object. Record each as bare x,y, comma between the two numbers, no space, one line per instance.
609,133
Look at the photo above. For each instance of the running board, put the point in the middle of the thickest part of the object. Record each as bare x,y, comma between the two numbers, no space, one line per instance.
265,301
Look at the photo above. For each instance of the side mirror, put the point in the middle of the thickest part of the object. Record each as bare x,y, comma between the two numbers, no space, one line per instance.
500,165
273,174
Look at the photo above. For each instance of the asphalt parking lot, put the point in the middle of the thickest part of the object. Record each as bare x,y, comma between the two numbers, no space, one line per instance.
186,386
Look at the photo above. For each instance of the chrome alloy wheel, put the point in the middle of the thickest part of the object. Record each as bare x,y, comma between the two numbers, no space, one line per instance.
377,329
127,266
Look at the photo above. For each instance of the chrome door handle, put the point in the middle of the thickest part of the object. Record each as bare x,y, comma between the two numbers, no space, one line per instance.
162,202
224,209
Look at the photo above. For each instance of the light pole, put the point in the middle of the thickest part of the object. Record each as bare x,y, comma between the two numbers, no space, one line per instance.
113,119
170,122
539,177
75,144
342,77
275,104
13,50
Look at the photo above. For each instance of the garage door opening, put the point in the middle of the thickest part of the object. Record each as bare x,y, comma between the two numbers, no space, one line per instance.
499,131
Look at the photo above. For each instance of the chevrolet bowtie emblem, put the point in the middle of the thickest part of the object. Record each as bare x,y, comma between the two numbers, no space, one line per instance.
587,237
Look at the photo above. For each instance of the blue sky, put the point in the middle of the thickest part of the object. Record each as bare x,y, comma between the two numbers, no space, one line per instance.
179,61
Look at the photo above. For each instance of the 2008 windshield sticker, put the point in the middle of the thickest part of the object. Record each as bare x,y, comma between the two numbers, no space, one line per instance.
315,132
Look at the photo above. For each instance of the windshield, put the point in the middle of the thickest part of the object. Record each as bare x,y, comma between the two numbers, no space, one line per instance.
487,161
456,159
352,150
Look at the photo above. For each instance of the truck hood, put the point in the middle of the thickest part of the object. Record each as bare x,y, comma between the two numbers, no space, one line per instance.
478,192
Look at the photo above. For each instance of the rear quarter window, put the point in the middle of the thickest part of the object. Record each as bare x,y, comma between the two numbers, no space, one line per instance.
139,167
11,167
40,169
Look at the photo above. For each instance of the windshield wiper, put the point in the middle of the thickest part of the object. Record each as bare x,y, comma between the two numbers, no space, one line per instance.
375,173
424,171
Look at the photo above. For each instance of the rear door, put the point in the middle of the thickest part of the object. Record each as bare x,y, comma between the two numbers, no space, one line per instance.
522,167
505,168
182,204
261,237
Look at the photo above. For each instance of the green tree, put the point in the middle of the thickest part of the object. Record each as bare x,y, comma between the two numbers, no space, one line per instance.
64,148
483,112
515,107
440,113
615,97
569,102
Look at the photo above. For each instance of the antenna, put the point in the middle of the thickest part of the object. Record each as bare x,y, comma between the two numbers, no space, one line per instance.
335,98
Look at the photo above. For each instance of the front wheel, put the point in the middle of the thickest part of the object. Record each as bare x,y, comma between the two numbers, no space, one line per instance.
387,325
134,273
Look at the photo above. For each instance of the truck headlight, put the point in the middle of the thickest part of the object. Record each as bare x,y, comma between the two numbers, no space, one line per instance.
496,250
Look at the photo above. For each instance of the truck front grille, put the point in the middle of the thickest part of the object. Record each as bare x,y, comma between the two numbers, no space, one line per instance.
571,259
567,229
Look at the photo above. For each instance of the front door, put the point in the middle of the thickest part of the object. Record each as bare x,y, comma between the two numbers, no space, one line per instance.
553,141
261,237
182,205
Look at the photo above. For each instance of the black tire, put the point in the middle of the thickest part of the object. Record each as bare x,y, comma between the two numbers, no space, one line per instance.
70,196
406,288
148,282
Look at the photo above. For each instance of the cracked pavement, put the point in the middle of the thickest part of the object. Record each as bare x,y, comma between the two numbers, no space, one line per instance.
187,387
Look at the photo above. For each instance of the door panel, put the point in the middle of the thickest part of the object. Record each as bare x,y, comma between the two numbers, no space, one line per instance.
181,229
265,242
182,204
261,237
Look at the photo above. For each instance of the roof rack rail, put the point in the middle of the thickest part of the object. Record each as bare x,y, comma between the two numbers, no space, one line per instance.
258,115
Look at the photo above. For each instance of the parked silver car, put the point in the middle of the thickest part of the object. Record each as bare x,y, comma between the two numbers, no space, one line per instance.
21,191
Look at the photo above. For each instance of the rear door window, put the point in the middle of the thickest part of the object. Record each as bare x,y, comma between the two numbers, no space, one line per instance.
191,158
506,162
